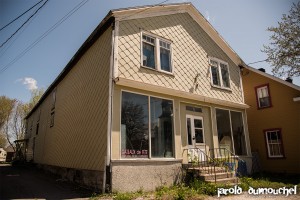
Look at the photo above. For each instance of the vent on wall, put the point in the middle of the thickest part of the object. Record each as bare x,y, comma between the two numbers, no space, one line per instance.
289,79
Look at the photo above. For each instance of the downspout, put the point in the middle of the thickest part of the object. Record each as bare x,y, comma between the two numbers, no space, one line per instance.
109,112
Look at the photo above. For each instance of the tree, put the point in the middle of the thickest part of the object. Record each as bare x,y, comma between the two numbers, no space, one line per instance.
3,140
134,118
284,50
36,95
15,111
6,107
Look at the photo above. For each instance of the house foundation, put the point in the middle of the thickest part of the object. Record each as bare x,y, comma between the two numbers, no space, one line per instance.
129,175
92,179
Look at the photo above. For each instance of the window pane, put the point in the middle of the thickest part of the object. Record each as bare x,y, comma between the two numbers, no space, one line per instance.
215,75
275,150
189,131
274,143
238,133
198,123
148,55
134,126
264,92
165,60
225,75
199,135
161,127
223,127
264,102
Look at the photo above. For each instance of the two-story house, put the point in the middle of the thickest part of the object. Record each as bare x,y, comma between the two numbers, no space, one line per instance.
149,83
274,121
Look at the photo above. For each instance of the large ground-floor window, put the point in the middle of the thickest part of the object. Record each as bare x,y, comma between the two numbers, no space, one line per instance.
146,126
231,131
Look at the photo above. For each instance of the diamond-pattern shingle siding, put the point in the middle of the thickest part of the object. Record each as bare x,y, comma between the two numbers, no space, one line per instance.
191,47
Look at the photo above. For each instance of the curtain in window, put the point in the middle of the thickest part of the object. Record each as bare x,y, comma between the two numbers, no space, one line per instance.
263,97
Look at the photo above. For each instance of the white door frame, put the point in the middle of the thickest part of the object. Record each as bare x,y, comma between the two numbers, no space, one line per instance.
193,128
191,143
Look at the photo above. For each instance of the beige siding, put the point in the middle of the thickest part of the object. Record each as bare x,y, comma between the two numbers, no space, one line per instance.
78,138
191,47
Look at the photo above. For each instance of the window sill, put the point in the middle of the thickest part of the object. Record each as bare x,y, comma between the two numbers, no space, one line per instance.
124,160
276,158
156,70
221,88
262,108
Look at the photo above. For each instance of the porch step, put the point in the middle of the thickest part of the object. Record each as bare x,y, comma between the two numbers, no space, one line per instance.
207,170
232,180
222,175
207,174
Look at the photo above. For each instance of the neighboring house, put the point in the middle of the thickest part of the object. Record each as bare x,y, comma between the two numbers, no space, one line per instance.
147,84
273,120
10,152
2,155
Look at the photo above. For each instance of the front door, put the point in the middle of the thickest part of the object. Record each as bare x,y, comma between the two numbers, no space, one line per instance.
195,137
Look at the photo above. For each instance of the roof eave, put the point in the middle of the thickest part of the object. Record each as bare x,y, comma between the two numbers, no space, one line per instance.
273,78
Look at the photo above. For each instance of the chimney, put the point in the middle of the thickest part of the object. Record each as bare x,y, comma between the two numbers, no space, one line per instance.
289,79
262,69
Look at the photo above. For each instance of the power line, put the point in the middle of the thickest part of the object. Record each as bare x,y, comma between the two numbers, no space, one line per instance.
71,12
158,4
23,24
3,50
20,15
258,62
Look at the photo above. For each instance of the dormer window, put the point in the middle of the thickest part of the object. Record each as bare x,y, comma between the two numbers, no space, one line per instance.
156,53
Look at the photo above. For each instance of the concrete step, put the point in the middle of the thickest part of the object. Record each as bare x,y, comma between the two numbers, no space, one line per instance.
222,175
209,170
232,180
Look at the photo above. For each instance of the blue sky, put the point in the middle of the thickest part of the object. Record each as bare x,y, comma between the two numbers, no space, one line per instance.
242,23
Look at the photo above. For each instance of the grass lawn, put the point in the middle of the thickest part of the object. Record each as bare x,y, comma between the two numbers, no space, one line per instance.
201,190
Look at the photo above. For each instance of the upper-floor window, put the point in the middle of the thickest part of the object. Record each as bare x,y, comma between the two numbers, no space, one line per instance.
156,53
274,143
263,96
53,99
219,73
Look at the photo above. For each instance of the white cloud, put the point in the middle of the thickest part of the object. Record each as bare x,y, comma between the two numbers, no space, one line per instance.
29,82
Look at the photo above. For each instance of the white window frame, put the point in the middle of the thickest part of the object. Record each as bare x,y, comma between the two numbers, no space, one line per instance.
219,62
231,131
268,143
157,40
149,128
